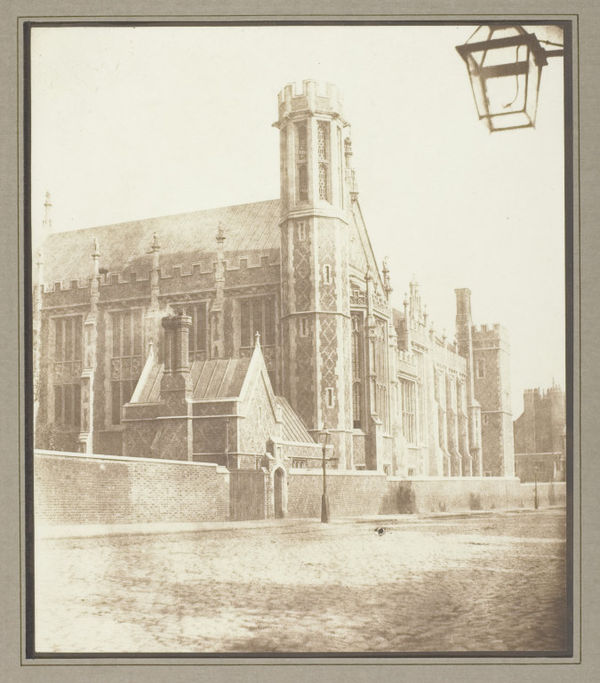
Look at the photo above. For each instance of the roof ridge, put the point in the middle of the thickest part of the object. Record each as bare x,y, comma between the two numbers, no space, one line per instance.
179,214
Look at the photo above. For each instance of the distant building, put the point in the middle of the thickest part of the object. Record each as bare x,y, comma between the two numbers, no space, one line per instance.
144,333
540,436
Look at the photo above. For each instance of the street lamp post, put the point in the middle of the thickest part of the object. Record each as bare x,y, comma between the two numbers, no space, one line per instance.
324,499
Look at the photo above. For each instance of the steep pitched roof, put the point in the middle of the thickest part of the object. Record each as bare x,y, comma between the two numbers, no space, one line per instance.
249,228
293,427
361,249
211,379
218,378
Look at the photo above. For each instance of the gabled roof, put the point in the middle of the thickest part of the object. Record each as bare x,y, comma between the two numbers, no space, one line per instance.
362,255
249,228
211,379
293,427
218,378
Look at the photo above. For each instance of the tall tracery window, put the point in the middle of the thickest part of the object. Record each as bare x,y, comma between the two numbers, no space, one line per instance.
357,370
68,352
257,315
380,364
323,158
301,171
408,392
126,360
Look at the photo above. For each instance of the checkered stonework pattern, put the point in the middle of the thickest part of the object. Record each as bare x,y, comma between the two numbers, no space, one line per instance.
302,275
328,341
327,257
304,373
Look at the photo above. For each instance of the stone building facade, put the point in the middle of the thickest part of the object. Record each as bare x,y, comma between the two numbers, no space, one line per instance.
133,324
540,436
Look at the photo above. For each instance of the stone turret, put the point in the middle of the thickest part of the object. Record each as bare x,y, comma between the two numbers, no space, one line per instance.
314,248
491,363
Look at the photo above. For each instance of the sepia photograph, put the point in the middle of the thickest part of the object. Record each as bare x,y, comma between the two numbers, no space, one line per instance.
300,338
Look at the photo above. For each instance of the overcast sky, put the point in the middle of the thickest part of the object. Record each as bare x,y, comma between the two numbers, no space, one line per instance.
130,123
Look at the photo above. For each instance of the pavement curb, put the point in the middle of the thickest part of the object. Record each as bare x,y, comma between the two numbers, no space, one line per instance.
48,532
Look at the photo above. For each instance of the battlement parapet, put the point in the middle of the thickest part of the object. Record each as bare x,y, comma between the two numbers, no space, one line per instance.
204,267
207,266
314,96
104,280
446,356
65,285
446,344
490,336
542,393
495,331
125,277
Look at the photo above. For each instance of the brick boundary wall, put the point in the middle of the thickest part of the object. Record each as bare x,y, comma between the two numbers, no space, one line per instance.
349,493
74,488
441,494
549,493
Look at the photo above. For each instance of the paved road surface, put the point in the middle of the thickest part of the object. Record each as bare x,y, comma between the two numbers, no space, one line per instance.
482,583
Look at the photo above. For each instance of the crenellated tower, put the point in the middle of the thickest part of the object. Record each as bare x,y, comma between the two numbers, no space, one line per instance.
491,365
315,195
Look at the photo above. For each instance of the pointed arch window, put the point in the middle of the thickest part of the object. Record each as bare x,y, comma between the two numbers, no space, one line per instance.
301,171
357,371
323,157
408,392
126,360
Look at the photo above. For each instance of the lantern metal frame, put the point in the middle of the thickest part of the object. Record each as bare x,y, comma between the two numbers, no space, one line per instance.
480,74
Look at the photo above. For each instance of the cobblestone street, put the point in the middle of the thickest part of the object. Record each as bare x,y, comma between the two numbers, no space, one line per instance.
491,582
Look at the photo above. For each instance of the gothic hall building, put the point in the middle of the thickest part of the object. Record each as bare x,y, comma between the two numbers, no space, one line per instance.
242,335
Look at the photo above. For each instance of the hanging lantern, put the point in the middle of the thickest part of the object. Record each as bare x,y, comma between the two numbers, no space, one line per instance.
505,71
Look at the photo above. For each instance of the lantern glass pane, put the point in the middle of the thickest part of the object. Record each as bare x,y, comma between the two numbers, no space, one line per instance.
517,119
525,116
505,55
506,94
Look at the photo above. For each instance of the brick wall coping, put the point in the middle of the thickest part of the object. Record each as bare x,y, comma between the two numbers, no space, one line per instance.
454,479
120,458
336,473
541,453
309,444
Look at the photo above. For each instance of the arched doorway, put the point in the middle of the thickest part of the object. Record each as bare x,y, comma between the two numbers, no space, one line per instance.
278,484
